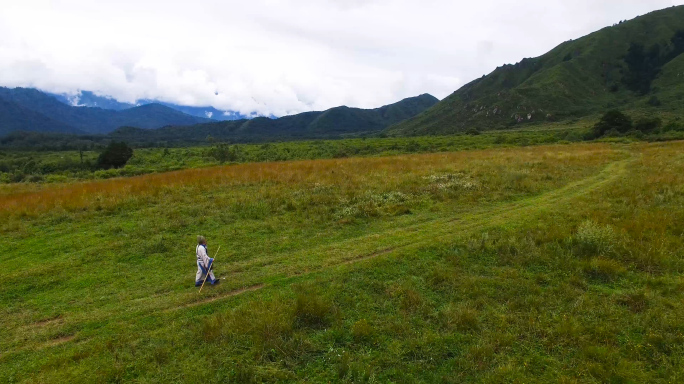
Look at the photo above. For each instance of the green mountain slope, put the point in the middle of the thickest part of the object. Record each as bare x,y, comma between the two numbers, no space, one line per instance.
333,122
611,68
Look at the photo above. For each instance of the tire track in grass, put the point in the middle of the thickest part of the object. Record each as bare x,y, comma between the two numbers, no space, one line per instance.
210,299
377,244
415,236
266,271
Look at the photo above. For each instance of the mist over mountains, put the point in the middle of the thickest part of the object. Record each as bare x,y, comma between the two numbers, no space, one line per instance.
30,110
90,99
27,109
636,66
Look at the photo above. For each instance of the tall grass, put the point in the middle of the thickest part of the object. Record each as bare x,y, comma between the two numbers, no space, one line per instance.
479,167
547,264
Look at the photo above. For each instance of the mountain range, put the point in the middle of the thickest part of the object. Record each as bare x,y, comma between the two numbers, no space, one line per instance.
334,122
28,109
635,65
90,99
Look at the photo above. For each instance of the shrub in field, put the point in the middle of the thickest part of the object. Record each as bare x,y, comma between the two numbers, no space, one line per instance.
212,328
271,331
160,355
459,317
635,302
349,371
35,178
361,330
648,125
311,309
224,152
116,155
612,120
605,270
16,177
266,328
654,101
411,300
441,278
594,239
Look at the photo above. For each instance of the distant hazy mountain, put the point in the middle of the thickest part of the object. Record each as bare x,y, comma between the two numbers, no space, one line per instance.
51,115
89,99
333,122
635,65
14,117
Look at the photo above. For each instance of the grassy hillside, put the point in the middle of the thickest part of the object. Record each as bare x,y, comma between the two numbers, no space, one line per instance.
545,264
85,119
578,78
333,122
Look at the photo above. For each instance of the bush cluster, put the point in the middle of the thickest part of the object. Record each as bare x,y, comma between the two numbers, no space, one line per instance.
614,123
116,155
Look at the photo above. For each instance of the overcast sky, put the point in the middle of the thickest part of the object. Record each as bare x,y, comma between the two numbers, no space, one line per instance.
288,56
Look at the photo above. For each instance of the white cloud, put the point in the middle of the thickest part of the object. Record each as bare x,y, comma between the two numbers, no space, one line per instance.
278,56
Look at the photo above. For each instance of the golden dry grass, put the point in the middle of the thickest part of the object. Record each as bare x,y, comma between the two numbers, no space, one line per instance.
352,173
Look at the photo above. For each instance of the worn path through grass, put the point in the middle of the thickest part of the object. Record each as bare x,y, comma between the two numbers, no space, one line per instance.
415,235
100,274
407,234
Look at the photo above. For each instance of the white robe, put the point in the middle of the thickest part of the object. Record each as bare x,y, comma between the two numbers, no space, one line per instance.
203,262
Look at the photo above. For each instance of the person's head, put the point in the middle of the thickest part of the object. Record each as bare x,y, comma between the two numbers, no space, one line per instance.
201,240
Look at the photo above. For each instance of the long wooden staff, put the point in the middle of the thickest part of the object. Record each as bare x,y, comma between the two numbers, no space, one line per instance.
209,269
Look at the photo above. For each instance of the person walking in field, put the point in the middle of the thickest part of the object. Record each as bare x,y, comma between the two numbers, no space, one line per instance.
204,263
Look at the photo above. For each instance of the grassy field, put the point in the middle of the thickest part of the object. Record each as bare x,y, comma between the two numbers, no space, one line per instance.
61,166
556,263
50,166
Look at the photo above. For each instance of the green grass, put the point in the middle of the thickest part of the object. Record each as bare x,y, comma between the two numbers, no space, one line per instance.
553,263
60,166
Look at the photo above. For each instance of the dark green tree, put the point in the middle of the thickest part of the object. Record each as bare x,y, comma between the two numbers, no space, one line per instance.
224,152
677,44
116,155
648,125
642,67
612,120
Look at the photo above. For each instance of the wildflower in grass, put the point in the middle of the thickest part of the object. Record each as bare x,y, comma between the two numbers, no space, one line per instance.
452,181
373,204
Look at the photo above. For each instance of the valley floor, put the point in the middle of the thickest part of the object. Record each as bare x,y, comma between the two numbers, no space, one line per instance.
536,264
